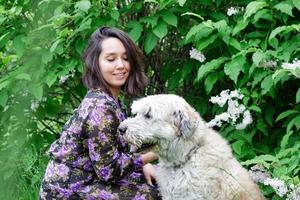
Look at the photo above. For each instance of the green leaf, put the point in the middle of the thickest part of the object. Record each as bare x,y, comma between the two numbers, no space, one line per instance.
280,171
152,20
276,31
161,30
233,42
280,74
170,18
253,7
37,92
285,29
269,113
261,125
19,45
258,77
255,108
258,56
240,26
136,30
175,80
202,44
115,14
267,84
150,42
210,82
263,14
50,78
3,98
285,140
23,76
286,114
187,69
209,67
233,68
295,121
223,30
296,4
4,38
54,45
2,19
262,159
80,45
200,30
237,146
83,5
84,25
298,96
4,83
193,14
181,2
285,8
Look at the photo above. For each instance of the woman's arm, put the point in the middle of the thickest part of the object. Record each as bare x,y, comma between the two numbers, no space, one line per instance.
109,162
148,157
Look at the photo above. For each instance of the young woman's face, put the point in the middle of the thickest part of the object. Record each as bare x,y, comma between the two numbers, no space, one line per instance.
114,64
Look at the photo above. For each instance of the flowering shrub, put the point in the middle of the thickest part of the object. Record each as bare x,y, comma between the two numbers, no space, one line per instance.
197,49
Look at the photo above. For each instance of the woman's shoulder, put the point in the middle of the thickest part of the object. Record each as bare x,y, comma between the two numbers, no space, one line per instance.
98,98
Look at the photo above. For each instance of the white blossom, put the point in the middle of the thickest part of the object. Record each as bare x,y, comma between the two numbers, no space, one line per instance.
294,65
222,99
34,105
63,79
259,175
294,194
24,93
234,111
278,185
247,119
236,94
269,64
232,11
197,55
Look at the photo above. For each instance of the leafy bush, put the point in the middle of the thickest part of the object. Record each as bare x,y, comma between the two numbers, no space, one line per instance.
194,48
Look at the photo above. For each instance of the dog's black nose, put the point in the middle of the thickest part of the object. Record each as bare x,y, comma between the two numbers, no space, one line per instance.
122,130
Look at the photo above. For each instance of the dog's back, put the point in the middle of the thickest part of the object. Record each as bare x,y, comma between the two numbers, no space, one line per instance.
211,173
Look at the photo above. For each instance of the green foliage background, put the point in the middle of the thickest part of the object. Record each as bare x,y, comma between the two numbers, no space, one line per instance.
42,41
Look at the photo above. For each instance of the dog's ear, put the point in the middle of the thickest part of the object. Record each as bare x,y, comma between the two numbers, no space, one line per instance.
185,123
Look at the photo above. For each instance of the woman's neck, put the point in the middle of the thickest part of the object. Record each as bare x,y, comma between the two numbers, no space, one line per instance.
115,93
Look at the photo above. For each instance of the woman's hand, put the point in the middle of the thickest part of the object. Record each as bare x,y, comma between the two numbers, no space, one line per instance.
148,157
149,173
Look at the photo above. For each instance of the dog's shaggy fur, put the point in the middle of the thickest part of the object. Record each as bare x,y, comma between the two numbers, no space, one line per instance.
195,162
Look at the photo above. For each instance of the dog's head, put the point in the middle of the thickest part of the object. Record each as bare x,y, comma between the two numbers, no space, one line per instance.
160,118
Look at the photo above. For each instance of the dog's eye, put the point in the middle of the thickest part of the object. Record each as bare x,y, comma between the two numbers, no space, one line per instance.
147,115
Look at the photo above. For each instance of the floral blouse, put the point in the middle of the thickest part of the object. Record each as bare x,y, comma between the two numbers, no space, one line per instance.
90,160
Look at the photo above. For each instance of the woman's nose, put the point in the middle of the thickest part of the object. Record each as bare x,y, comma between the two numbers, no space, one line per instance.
120,63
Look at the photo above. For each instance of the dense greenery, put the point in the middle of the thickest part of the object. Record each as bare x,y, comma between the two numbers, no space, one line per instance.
41,43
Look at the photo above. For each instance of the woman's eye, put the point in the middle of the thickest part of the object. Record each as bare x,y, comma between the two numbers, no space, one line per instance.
110,59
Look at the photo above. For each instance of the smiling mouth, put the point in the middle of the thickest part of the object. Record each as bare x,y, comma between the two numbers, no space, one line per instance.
119,74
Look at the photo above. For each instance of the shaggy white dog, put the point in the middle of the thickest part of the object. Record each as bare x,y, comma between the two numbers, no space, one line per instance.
195,162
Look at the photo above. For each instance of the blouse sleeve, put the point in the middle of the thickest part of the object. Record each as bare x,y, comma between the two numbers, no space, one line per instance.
109,162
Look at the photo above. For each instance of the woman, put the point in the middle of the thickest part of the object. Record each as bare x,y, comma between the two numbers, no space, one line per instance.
91,160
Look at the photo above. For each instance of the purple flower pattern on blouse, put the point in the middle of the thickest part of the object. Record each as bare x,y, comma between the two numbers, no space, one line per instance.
90,160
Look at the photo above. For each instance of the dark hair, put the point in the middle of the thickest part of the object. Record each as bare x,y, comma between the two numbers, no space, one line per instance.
93,78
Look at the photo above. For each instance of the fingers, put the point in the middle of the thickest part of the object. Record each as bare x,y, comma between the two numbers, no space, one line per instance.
149,180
